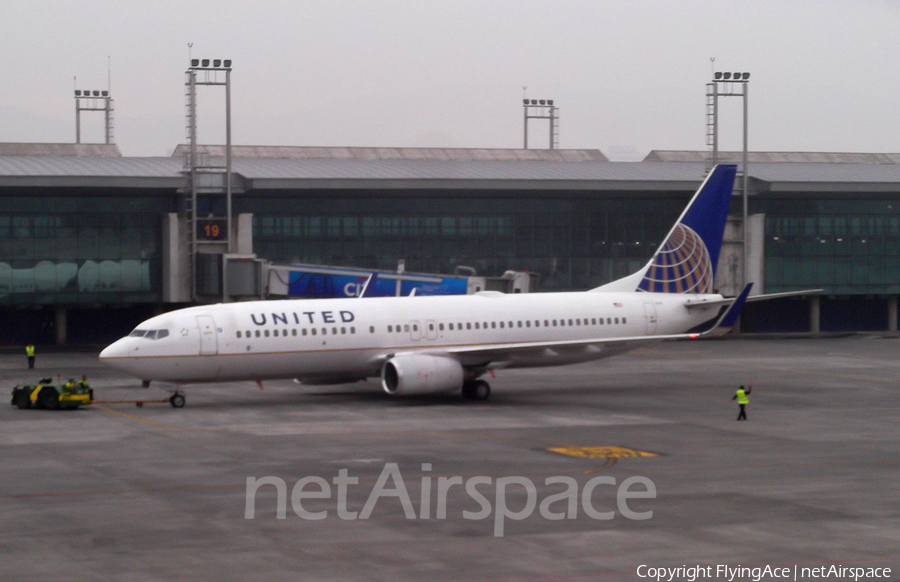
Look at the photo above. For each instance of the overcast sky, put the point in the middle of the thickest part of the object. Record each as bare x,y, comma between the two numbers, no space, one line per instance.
628,76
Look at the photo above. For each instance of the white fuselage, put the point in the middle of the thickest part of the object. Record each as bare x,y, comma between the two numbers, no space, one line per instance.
332,340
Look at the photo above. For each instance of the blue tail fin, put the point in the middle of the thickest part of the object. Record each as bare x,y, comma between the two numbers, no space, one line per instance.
686,261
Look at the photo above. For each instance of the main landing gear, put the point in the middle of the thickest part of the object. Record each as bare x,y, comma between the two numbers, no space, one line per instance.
476,390
176,400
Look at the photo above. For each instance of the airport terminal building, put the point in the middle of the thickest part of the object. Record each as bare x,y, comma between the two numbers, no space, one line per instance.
90,243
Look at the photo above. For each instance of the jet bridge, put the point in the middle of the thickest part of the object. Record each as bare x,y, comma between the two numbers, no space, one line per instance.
317,281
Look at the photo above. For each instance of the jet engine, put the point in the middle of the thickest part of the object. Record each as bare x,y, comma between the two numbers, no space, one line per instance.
421,374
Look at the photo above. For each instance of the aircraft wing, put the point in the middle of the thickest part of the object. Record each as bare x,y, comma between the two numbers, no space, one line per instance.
519,350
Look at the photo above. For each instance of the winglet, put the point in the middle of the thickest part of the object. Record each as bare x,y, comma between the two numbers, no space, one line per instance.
368,282
729,318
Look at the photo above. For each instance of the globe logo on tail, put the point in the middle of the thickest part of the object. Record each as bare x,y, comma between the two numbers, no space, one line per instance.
682,265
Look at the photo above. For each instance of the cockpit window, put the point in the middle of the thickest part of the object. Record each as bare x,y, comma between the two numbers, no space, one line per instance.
153,334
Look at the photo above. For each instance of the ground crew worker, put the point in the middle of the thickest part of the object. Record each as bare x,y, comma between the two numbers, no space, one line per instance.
29,351
70,385
82,384
741,397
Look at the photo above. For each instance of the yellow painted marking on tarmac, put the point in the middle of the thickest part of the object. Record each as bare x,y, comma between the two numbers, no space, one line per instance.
161,425
133,417
601,452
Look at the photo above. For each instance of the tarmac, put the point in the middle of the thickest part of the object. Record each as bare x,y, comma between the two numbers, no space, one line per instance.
586,472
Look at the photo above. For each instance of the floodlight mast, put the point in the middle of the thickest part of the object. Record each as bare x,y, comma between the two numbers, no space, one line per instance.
542,109
723,85
94,100
209,72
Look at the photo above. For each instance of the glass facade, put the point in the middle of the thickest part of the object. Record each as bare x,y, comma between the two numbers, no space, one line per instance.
78,247
846,246
571,241
82,247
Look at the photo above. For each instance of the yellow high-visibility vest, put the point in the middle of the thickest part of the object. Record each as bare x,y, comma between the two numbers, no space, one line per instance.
29,351
742,397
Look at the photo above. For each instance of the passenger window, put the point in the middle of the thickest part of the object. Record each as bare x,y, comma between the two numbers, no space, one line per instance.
528,323
468,325
609,321
324,331
238,334
257,333
275,332
266,333
520,324
546,323
477,325
371,329
415,328
430,327
390,328
352,330
537,323
294,332
313,331
617,320
493,325
406,327
623,320
593,321
304,331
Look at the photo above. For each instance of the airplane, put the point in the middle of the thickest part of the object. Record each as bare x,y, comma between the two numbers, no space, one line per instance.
433,344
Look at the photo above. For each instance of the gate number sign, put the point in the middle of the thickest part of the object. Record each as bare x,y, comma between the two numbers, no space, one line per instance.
212,229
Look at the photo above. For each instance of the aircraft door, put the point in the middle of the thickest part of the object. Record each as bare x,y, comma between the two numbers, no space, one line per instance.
651,318
415,330
209,343
431,329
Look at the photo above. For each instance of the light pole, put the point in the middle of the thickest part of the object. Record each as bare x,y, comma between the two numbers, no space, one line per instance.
90,100
207,178
730,85
542,109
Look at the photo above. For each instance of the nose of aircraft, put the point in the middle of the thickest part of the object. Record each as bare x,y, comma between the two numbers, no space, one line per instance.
117,349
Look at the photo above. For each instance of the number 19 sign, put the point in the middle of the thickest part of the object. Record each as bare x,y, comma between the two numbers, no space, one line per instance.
212,229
